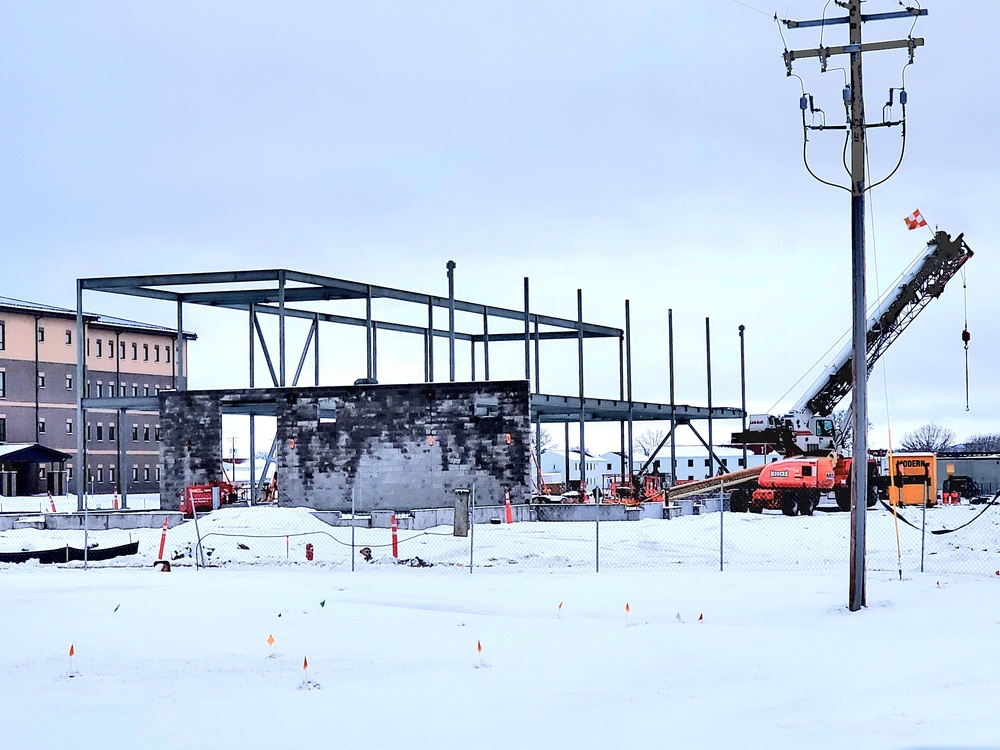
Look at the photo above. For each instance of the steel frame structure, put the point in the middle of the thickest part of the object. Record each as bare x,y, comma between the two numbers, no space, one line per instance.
274,292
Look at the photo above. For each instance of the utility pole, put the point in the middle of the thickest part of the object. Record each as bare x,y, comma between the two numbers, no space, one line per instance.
857,126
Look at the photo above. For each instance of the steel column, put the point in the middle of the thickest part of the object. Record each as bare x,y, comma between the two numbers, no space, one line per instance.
673,406
743,390
527,335
708,372
253,436
486,345
181,368
368,334
451,321
430,340
316,351
81,415
628,383
281,328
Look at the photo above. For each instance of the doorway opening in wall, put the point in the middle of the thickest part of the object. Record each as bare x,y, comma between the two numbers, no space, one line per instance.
250,471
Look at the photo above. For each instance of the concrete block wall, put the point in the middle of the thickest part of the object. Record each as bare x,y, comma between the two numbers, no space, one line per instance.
402,447
190,442
396,447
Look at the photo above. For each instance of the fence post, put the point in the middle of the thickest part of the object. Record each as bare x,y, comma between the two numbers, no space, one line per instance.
722,515
923,528
353,523
472,527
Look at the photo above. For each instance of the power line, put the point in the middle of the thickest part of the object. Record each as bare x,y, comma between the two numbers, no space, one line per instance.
750,7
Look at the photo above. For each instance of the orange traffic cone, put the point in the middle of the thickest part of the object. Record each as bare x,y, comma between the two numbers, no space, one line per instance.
510,511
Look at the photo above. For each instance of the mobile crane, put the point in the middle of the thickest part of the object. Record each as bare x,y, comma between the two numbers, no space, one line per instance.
807,435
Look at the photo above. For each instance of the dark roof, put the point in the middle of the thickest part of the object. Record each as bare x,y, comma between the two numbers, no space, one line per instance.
92,319
30,453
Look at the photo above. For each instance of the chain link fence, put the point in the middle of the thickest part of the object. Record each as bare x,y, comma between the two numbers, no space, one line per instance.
684,535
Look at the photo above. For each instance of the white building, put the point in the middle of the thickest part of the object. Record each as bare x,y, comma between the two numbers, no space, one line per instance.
690,465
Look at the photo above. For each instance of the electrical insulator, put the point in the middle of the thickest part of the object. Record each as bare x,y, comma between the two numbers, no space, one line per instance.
902,96
804,103
847,93
966,336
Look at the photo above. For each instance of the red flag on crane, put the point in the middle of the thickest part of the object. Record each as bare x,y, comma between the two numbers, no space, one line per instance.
915,220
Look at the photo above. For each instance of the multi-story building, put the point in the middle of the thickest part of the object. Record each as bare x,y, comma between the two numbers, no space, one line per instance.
38,369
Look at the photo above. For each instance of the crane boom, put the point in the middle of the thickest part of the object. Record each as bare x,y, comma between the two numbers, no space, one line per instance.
924,281
807,427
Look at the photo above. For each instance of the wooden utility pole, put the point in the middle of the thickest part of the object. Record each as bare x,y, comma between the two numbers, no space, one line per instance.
854,98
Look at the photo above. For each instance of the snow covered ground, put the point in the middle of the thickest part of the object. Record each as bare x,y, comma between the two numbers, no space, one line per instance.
181,660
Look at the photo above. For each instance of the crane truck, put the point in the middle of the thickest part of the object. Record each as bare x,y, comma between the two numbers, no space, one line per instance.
808,436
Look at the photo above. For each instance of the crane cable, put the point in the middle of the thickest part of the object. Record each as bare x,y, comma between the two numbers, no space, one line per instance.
966,336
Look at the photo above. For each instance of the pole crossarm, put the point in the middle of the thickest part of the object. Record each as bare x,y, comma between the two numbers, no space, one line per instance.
847,49
908,13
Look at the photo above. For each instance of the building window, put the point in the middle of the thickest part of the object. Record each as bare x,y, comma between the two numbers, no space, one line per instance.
111,432
725,462
111,349
135,390
135,433
156,353
100,473
41,472
41,333
121,350
741,463
3,335
145,474
41,426
69,382
100,389
111,474
707,463
69,426
88,430
145,433
88,389
99,349
41,380
135,473
156,432
69,471
157,473
69,337
121,390
156,389
3,429
3,384
135,351
690,462
88,347
145,352
166,351
145,389
100,431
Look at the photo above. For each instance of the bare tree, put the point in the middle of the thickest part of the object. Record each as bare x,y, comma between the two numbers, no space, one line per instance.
931,438
647,441
985,443
547,442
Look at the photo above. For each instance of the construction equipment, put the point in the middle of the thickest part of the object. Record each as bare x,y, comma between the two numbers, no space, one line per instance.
201,498
807,435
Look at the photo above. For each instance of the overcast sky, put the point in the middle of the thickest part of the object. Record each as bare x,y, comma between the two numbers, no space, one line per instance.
643,151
